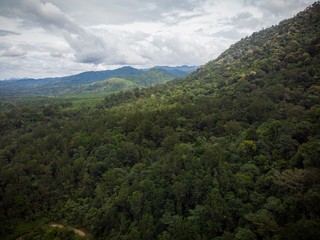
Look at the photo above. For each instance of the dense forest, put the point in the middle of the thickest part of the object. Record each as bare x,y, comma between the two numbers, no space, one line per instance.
232,151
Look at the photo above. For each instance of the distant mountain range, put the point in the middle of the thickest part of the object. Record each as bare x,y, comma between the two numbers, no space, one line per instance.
102,82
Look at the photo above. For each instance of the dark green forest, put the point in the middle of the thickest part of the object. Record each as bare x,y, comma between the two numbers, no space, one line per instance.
231,151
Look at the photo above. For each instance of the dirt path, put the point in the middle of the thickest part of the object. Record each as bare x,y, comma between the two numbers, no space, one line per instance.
56,225
76,231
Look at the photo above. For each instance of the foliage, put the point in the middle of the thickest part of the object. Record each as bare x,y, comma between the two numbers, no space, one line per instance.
229,152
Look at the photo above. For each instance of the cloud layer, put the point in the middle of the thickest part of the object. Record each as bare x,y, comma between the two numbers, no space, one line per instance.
5,33
14,51
68,36
88,48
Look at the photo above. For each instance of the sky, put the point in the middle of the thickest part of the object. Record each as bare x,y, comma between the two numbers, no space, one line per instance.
47,38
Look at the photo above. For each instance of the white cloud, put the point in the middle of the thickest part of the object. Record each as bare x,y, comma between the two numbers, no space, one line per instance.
14,51
67,36
56,54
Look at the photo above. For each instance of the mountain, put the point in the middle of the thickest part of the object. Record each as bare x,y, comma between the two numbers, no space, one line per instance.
230,151
91,77
274,52
109,85
178,71
153,76
62,85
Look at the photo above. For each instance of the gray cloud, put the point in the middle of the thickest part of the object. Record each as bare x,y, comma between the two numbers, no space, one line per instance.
88,47
56,54
4,46
14,51
125,11
242,16
243,20
64,37
110,11
279,7
229,34
5,33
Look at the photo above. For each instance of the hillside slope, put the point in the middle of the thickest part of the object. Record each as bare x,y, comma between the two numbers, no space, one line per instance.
109,85
60,86
278,51
230,152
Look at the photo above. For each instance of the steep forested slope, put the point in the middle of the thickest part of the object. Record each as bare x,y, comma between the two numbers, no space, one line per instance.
230,152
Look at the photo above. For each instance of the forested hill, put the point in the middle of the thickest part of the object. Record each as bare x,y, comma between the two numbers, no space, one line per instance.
230,152
277,51
90,82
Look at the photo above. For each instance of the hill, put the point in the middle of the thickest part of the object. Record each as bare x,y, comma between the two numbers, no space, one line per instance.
71,84
109,85
231,151
178,71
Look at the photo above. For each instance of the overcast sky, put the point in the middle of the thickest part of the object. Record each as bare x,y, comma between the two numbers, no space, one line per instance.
42,38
